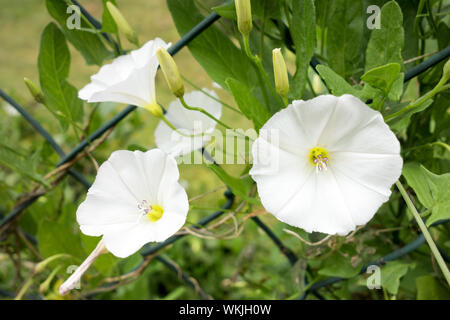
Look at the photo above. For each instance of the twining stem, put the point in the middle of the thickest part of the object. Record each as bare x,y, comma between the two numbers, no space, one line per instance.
438,88
425,232
258,63
210,96
206,113
189,135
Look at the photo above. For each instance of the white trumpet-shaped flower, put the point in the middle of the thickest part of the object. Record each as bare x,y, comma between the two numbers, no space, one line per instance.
128,79
196,127
326,164
135,199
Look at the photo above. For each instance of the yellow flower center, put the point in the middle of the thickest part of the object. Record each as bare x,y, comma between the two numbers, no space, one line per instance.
319,157
155,213
152,212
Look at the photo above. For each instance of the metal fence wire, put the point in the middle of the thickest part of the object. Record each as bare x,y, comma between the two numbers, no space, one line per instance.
150,252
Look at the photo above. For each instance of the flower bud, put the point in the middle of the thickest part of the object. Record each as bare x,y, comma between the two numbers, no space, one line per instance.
155,109
171,72
244,16
43,264
122,24
35,91
280,73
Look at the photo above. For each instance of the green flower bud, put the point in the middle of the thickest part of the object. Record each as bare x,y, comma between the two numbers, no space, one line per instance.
280,73
122,24
43,264
171,73
244,16
34,90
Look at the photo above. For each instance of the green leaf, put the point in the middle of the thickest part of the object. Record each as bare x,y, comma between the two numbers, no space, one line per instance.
344,37
20,163
85,39
303,31
266,9
382,77
411,47
386,44
108,23
214,50
335,82
431,189
238,186
396,91
429,288
338,265
59,237
391,274
247,103
54,63
226,10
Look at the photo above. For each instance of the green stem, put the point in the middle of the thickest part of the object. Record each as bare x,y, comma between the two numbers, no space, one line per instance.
209,95
171,126
206,113
425,232
24,288
430,94
260,67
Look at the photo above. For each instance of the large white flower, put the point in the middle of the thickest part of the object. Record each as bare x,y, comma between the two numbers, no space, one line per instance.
135,199
332,161
128,79
188,122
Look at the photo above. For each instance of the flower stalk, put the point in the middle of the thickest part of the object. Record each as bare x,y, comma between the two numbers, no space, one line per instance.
70,283
206,113
425,232
258,62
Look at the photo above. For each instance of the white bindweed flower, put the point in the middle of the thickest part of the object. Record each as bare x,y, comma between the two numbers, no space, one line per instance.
188,122
135,199
128,79
336,160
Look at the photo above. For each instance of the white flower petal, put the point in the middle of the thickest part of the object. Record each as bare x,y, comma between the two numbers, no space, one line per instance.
189,122
128,79
300,125
318,206
351,116
127,241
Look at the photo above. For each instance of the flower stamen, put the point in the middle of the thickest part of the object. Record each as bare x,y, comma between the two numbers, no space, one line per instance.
152,212
319,158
